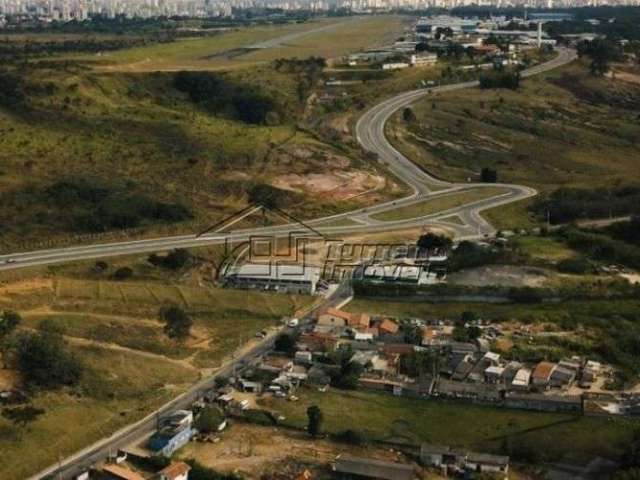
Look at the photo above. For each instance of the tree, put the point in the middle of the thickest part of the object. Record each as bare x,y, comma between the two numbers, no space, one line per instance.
268,195
9,320
314,416
433,241
468,317
346,377
22,416
11,90
408,115
412,334
44,360
177,322
177,258
209,419
123,273
100,266
417,363
489,175
286,343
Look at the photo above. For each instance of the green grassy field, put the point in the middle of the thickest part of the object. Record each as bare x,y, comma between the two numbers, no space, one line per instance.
439,204
119,388
385,417
334,37
562,128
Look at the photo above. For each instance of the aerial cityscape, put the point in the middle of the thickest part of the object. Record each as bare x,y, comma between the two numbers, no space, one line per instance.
310,240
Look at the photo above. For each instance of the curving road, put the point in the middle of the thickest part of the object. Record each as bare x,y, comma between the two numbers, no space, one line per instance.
370,134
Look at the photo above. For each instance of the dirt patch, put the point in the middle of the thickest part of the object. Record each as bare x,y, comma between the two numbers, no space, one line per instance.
24,287
9,379
253,450
500,275
338,185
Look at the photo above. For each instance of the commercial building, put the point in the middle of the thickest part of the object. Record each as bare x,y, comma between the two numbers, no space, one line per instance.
302,279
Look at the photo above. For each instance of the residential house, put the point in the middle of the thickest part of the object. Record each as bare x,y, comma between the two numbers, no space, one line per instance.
541,374
364,334
562,377
371,468
116,472
303,357
521,379
175,471
463,368
492,358
388,327
248,386
481,392
339,318
510,371
477,372
487,463
334,317
441,456
494,374
456,461
169,439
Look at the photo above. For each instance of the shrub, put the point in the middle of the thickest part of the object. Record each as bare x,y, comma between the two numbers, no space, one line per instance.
123,273
576,265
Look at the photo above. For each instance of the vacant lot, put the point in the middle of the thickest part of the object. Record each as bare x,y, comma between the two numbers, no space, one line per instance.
385,417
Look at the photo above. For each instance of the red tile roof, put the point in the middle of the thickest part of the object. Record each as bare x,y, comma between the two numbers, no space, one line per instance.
175,470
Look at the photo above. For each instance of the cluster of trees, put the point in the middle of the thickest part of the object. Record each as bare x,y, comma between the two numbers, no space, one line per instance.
464,329
626,231
11,89
500,79
625,24
489,175
174,260
13,51
286,343
210,419
270,196
177,322
433,241
347,373
42,357
600,246
418,363
309,72
568,204
602,52
470,255
91,205
216,94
